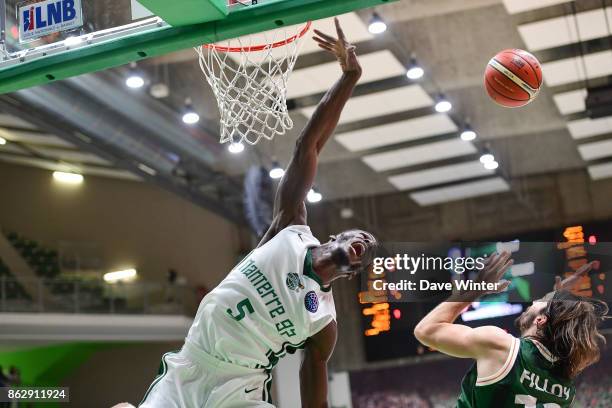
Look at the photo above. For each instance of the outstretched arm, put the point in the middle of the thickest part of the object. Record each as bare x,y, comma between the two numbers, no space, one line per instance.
313,373
299,177
438,330
571,281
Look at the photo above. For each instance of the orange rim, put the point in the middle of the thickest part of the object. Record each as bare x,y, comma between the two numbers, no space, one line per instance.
255,48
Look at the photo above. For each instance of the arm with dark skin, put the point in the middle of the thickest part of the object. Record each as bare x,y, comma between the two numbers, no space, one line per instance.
313,373
289,205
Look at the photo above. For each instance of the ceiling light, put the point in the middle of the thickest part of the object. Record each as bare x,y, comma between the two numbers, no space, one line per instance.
468,133
134,79
2,141
313,196
443,105
123,276
487,158
190,116
277,171
346,213
159,90
235,148
68,178
377,25
415,71
491,165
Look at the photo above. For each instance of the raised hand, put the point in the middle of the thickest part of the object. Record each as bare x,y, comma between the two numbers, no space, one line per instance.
340,47
571,281
494,270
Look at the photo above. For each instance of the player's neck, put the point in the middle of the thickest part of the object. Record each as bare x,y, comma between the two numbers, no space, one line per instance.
323,265
530,332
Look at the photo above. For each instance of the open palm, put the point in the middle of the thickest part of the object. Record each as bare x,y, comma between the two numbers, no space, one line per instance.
340,47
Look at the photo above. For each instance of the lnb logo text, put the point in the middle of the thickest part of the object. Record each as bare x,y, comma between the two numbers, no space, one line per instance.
49,16
41,16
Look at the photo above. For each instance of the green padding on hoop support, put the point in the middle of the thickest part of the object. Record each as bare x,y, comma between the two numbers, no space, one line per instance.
185,12
160,41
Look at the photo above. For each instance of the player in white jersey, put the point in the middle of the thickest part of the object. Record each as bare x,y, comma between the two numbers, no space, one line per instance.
277,299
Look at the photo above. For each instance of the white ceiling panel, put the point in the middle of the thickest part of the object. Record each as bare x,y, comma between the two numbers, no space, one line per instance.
319,78
9,120
566,71
71,156
411,156
560,31
519,6
34,138
596,150
397,132
571,102
438,175
583,128
460,191
11,148
40,163
600,171
381,103
55,166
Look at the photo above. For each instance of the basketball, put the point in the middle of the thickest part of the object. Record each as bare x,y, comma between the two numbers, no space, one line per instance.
513,78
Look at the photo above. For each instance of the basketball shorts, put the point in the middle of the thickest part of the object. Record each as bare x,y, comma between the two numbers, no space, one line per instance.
192,378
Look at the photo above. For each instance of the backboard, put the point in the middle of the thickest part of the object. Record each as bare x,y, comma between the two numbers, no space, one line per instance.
116,32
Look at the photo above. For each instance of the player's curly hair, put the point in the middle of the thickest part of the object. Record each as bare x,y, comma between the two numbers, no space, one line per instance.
571,331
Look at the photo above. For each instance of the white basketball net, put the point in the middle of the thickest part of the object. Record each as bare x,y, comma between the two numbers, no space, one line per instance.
251,84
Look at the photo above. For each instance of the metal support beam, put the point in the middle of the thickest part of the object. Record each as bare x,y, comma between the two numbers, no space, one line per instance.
46,119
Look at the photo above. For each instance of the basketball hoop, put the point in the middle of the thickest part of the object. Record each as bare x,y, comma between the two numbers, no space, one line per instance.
249,77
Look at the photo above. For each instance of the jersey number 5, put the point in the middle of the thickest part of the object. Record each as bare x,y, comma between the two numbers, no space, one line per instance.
241,307
530,402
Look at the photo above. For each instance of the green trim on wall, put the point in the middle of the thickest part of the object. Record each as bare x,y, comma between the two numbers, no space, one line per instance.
48,366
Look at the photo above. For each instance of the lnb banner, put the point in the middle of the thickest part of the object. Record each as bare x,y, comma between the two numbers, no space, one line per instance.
434,272
38,19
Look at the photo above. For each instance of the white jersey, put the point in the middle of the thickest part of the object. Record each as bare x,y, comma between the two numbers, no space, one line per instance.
268,305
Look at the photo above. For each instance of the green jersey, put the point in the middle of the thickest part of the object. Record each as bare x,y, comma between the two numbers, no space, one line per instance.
527,379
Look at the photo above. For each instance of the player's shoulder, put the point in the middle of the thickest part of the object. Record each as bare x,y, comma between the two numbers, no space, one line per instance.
301,232
298,229
492,337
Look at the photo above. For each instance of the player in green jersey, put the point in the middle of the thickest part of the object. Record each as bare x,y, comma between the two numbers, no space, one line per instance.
559,339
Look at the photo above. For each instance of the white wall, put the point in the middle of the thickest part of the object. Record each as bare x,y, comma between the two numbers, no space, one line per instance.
340,390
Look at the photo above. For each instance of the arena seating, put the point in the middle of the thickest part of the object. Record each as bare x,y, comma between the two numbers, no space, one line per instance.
44,261
12,288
